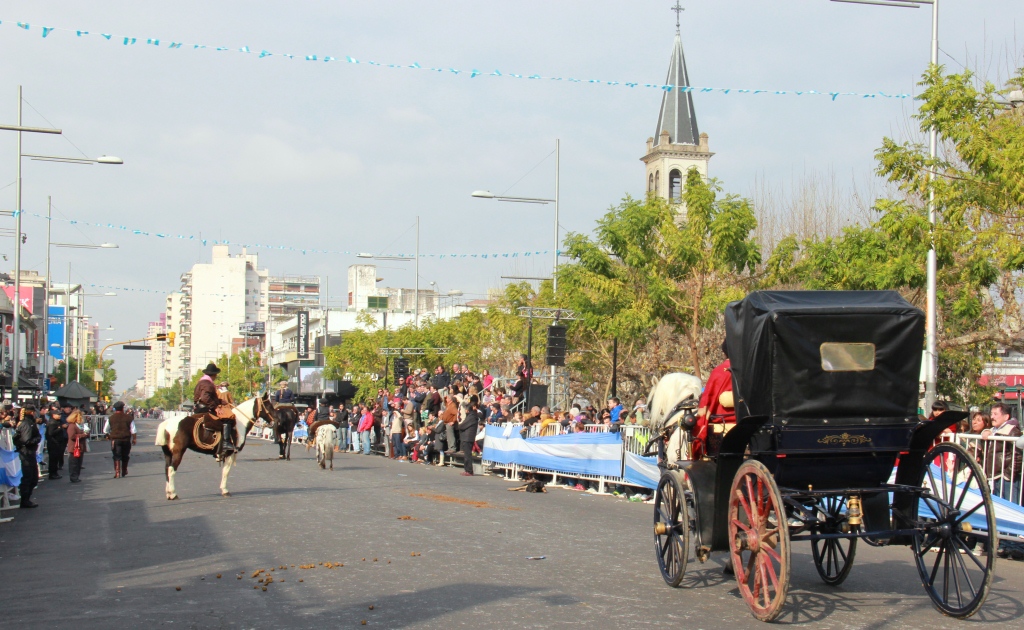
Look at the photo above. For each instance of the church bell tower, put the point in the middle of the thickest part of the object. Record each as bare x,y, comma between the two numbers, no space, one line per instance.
677,145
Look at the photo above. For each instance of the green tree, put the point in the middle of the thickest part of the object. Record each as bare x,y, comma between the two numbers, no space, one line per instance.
89,364
979,197
651,262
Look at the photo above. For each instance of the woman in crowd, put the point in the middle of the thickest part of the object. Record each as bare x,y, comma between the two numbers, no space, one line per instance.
365,430
467,432
979,422
77,439
398,435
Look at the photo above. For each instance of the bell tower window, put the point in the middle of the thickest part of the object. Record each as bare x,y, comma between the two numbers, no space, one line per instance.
675,186
650,183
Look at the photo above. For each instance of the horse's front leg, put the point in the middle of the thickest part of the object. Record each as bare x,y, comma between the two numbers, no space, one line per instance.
167,471
172,469
229,463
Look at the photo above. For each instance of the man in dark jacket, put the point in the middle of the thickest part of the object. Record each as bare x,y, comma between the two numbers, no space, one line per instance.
56,441
120,430
467,434
441,379
26,442
283,394
207,401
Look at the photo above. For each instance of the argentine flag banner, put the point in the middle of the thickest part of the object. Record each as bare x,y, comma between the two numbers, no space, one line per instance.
10,468
581,453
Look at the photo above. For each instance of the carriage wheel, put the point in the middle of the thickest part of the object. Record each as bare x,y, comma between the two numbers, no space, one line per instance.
833,557
956,538
671,528
759,540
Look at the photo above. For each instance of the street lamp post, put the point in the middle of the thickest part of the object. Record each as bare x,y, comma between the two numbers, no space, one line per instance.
46,281
15,341
486,194
931,355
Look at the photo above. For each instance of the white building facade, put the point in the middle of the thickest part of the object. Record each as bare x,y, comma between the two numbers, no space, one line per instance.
216,298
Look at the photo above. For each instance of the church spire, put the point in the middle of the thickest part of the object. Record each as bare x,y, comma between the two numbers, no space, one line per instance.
677,116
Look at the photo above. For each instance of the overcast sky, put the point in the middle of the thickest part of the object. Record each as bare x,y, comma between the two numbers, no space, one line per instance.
344,157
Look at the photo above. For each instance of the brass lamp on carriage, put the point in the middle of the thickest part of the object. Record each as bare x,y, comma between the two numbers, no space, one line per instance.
828,448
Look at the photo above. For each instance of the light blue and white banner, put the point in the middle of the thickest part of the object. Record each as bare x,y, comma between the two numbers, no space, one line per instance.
10,468
641,471
127,42
597,454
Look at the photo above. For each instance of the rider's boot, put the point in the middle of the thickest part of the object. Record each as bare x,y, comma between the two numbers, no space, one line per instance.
227,441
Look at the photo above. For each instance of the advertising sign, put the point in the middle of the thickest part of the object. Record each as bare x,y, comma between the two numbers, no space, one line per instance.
26,296
302,330
252,328
55,332
311,380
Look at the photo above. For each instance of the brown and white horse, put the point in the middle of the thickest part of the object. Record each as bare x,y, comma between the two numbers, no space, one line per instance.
176,435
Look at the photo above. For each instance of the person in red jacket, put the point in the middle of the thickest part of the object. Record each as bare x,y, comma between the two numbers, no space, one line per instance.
715,407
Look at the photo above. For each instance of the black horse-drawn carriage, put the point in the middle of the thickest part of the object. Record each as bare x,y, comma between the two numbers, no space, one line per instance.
825,388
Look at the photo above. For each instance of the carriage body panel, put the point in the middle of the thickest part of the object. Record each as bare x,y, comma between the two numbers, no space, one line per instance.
836,375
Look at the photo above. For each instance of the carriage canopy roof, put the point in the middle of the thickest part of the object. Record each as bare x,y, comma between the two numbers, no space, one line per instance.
805,356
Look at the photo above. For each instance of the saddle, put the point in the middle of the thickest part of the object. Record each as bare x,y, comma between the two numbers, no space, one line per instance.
207,431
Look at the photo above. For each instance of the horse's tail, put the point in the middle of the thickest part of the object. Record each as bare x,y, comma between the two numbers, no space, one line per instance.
161,433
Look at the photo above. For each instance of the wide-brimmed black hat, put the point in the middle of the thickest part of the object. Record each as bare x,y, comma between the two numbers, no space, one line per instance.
211,369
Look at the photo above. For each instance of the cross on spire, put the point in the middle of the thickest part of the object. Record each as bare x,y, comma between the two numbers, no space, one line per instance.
678,9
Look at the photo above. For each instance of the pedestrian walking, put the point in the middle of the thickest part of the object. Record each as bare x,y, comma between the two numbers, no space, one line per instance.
77,439
26,442
120,430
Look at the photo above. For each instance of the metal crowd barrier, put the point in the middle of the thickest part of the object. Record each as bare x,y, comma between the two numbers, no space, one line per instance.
1002,462
94,424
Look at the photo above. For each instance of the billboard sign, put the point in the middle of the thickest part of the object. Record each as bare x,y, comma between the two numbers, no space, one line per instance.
56,332
302,331
311,380
252,328
26,296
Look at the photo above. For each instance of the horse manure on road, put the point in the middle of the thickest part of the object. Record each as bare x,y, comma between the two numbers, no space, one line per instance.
218,576
177,588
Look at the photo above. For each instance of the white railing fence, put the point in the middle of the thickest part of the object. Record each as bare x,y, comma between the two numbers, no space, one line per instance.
1002,462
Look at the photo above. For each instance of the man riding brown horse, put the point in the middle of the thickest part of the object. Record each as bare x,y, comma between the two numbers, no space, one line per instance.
218,412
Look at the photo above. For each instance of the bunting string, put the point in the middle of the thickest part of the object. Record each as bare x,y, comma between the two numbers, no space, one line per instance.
47,32
288,248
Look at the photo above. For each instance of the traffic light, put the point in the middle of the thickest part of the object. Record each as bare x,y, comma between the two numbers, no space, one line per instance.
170,339
161,336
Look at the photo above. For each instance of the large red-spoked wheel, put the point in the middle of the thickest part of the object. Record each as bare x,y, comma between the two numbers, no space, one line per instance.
759,540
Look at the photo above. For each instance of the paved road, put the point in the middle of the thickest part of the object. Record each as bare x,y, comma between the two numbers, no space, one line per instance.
112,554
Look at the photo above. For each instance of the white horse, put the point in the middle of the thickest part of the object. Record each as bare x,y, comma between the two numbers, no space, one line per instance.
326,439
666,411
176,435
